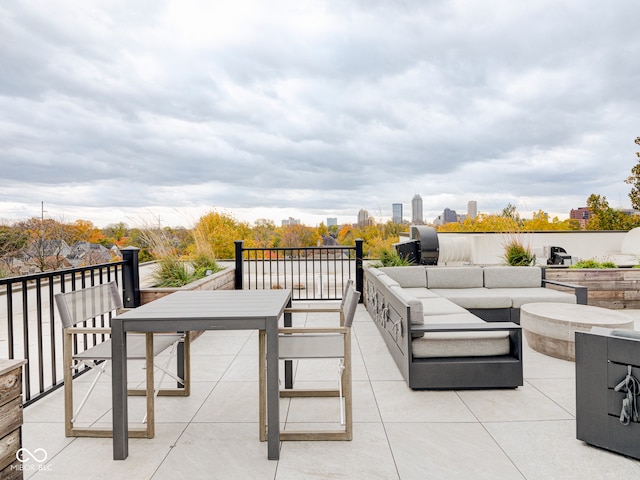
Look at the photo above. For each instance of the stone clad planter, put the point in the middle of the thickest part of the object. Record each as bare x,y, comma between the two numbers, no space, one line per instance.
614,288
223,280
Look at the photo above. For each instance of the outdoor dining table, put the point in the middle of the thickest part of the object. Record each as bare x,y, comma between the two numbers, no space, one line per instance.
197,311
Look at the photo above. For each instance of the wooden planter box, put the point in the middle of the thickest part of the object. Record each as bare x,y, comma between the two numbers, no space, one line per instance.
614,288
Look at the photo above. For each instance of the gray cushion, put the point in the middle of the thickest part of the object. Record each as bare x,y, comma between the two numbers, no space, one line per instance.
416,316
388,281
421,292
440,306
474,297
512,277
452,318
454,277
407,276
520,296
461,344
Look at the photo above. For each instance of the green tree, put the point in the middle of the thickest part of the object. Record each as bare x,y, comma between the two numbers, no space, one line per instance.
603,217
634,181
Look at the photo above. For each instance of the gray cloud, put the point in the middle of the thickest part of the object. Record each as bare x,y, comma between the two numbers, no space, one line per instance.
315,109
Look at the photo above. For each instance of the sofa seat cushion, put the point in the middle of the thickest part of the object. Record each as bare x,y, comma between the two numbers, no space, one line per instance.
474,297
452,318
407,277
512,277
520,296
454,277
421,293
461,344
439,306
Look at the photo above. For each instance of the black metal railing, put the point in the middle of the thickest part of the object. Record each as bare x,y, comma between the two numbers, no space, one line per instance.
29,325
311,273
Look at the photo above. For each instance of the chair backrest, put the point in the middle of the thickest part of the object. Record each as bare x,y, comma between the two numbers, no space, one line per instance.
348,286
88,303
350,304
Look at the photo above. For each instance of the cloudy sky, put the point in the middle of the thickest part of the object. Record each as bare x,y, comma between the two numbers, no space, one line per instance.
120,110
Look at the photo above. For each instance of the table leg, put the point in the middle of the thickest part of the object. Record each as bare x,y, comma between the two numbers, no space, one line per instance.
119,390
273,390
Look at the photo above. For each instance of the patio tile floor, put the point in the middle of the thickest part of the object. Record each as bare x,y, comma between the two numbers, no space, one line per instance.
525,433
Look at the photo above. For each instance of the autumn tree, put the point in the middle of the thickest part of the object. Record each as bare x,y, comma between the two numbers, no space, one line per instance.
12,243
634,181
221,231
603,217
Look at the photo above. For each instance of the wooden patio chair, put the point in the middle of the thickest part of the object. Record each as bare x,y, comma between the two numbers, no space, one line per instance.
100,303
297,343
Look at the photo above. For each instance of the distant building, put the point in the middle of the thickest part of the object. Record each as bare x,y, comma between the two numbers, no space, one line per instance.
364,219
332,222
449,216
417,217
582,214
396,216
290,221
472,209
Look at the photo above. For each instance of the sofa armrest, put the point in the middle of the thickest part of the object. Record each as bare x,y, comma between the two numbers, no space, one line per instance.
581,292
466,327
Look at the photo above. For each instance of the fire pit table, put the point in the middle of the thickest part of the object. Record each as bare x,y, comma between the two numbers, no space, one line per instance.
550,328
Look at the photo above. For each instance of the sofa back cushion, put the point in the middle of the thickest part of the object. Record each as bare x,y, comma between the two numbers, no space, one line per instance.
407,277
416,309
512,277
454,277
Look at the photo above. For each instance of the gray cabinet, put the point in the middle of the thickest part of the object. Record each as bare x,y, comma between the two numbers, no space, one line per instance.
602,362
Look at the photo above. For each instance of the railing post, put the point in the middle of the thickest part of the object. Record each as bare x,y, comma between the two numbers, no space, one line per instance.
131,277
239,255
359,267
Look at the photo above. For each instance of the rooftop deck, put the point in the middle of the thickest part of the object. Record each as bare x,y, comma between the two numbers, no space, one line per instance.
526,433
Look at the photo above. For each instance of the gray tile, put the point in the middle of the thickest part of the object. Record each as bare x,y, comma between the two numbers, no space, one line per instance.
218,451
448,450
366,457
544,450
398,403
517,404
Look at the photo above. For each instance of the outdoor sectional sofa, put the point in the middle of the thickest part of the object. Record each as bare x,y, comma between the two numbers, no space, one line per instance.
457,327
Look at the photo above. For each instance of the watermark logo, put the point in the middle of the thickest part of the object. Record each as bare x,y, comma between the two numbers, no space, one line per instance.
39,456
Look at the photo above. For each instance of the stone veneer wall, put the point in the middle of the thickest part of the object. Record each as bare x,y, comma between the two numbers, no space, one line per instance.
614,288
223,280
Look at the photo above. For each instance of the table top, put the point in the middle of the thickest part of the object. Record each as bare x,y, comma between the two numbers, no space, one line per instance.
573,313
204,305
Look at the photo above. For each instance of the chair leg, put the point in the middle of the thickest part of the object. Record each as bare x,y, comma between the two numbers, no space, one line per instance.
68,385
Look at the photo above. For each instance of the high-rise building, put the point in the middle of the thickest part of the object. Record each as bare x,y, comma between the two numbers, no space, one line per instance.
290,221
396,209
449,216
332,222
363,218
417,217
472,209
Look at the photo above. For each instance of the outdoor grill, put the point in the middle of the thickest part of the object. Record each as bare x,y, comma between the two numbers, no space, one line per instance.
423,247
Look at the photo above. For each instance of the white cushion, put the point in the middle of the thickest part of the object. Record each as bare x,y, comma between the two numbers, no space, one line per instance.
512,277
440,306
461,344
421,292
407,276
416,316
520,296
474,297
454,277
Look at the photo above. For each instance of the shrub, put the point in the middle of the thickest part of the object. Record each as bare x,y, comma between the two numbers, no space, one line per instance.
592,263
516,254
391,258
